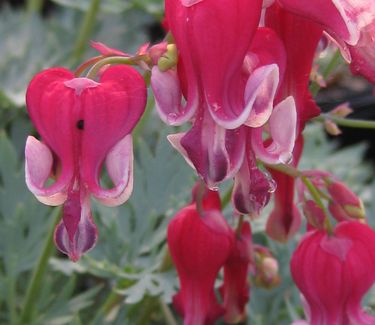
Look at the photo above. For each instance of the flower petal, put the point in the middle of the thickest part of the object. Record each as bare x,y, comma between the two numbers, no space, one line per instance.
259,95
167,92
283,133
215,152
38,167
119,163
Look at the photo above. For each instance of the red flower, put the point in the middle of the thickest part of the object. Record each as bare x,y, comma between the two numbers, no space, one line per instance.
83,124
335,272
199,246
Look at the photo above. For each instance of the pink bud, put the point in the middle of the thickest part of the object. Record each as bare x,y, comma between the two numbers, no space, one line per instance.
335,272
199,245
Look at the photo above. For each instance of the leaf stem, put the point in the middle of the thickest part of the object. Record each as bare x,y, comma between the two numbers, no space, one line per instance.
86,29
38,273
352,123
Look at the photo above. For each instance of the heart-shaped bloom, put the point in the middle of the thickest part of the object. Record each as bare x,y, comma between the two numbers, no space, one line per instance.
83,125
199,245
334,272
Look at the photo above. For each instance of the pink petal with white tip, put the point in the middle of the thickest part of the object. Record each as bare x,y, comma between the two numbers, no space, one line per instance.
282,125
119,163
260,93
38,167
167,92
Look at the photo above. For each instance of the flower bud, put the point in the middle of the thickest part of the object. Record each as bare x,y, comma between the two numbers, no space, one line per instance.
351,206
267,268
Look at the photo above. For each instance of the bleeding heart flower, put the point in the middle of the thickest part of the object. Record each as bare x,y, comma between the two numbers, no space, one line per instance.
199,245
83,125
334,272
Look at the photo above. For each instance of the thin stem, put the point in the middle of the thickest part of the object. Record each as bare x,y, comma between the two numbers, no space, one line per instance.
316,197
352,123
36,280
286,169
34,6
113,60
226,197
336,59
86,29
168,316
86,64
112,299
239,226
12,298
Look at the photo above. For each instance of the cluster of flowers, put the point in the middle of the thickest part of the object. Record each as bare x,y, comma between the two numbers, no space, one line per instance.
238,71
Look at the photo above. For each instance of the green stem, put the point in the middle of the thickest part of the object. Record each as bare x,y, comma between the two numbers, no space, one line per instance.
168,316
12,298
36,280
113,60
34,6
286,169
226,197
352,123
86,29
316,197
239,226
336,59
112,299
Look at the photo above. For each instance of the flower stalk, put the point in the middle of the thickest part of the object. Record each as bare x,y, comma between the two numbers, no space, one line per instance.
36,280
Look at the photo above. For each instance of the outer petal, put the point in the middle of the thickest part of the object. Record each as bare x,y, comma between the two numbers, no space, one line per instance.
342,18
215,152
110,113
283,123
363,53
38,167
213,38
199,246
119,163
50,104
167,92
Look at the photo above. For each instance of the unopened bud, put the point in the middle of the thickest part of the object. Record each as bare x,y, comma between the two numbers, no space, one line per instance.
266,268
342,110
169,59
331,127
314,214
349,202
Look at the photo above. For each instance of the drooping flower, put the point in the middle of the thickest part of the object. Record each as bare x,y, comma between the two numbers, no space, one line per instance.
334,272
199,245
236,289
83,124
350,23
